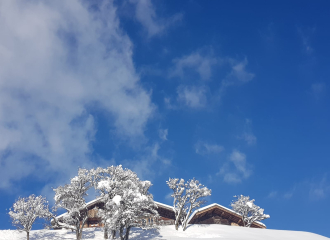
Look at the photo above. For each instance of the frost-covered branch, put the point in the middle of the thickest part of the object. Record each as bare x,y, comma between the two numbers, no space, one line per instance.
71,198
248,210
26,210
127,201
187,196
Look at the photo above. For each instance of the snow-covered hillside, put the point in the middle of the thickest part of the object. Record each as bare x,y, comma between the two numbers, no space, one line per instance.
167,232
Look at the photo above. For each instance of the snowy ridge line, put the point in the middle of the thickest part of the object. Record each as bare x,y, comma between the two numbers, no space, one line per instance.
216,204
194,232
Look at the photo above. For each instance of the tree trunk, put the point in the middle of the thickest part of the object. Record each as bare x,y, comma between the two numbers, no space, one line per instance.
79,235
106,233
113,234
177,221
243,220
127,233
176,226
186,219
28,235
121,233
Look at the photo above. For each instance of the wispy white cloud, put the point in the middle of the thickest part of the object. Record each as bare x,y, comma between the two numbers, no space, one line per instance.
305,35
168,102
192,96
197,62
319,189
248,135
150,163
239,160
232,178
236,169
204,148
249,138
168,196
288,195
199,66
145,13
314,189
272,194
238,74
163,134
57,62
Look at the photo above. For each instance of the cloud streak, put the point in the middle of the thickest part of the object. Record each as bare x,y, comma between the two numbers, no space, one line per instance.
236,169
200,67
145,14
204,148
238,74
192,96
58,61
248,135
201,63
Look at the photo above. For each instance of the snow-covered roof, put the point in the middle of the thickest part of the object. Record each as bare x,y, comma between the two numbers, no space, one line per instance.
164,205
218,205
90,203
99,199
171,208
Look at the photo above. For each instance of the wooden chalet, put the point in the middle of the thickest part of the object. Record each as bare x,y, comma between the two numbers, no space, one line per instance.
217,214
93,220
211,214
166,213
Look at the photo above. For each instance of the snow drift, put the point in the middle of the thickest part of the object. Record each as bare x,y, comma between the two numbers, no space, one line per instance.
213,231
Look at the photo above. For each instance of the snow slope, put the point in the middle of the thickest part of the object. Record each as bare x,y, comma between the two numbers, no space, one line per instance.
221,232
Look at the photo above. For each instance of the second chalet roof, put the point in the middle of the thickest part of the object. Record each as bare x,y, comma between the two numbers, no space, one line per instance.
223,208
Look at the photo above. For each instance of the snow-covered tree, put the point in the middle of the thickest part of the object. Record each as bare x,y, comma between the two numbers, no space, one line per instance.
248,210
26,210
71,197
127,201
187,196
109,182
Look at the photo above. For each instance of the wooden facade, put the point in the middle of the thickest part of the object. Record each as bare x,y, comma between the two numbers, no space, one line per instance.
93,220
211,214
166,213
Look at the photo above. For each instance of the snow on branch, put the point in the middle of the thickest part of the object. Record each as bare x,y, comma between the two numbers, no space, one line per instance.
71,197
26,210
126,198
248,210
187,196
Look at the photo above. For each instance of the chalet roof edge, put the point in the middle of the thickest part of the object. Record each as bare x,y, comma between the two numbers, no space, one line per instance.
88,204
165,205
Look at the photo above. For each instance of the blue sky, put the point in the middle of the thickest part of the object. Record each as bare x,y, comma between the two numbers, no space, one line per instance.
235,94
